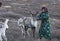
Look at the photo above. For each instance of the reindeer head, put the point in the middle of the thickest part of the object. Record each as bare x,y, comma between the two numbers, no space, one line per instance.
7,19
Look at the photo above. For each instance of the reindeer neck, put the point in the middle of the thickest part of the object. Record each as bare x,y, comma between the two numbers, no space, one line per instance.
6,22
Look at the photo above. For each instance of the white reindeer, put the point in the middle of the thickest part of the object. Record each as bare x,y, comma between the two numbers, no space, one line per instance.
26,23
21,25
3,27
31,23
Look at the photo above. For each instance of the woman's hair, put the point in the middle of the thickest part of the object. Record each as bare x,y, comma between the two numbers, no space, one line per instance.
44,8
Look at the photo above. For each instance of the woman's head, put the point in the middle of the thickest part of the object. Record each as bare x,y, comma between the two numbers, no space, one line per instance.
44,9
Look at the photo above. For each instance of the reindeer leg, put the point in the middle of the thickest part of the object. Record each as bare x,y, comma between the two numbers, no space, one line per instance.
23,31
4,36
0,37
28,32
33,29
21,28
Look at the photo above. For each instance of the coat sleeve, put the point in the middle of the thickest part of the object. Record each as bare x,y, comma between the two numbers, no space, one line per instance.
43,16
39,17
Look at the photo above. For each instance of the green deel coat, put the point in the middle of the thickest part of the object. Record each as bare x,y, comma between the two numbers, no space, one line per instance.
44,30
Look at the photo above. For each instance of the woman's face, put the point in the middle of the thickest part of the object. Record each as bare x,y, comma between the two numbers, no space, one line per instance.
43,10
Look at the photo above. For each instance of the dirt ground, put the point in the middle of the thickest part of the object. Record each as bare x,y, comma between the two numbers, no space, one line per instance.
14,9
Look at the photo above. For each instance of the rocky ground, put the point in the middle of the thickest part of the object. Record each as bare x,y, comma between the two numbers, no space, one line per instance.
13,9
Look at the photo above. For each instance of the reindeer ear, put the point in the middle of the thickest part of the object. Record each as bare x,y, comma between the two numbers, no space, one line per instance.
7,19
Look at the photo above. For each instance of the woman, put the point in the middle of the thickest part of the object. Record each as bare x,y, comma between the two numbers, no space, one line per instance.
44,30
